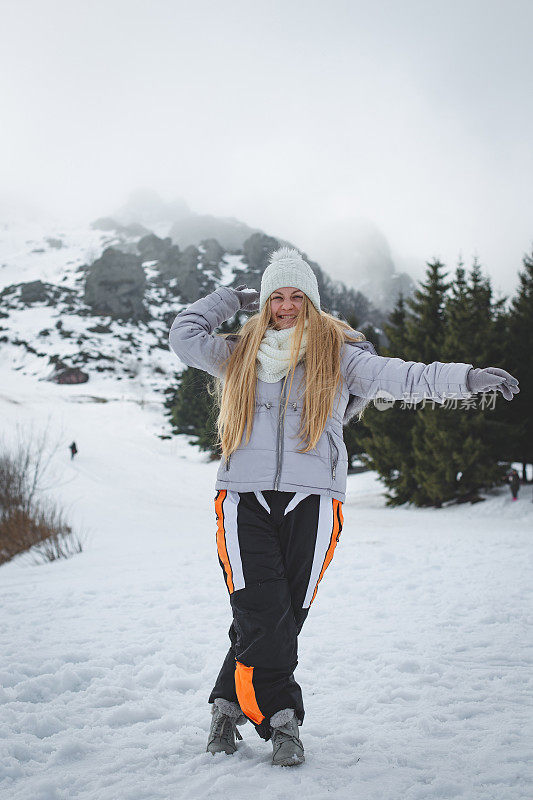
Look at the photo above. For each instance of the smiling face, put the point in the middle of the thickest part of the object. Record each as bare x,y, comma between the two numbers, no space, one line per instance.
285,305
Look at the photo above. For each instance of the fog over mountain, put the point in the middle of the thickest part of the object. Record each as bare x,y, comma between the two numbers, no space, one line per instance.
390,131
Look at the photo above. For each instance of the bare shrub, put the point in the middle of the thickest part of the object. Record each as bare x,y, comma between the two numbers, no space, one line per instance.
58,539
12,483
29,521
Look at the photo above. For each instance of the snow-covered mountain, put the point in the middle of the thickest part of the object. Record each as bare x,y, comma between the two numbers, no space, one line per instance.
91,302
47,323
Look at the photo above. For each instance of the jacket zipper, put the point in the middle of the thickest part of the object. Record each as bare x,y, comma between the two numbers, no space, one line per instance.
279,444
333,461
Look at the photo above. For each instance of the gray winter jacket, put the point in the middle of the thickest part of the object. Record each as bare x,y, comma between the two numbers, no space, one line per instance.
270,459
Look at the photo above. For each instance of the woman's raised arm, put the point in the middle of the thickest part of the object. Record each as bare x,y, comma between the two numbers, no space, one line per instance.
191,336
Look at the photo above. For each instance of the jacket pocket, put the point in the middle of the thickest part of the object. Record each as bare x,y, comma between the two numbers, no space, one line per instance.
333,455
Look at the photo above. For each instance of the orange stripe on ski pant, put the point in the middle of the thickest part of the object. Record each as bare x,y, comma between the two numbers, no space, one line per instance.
337,527
221,538
246,693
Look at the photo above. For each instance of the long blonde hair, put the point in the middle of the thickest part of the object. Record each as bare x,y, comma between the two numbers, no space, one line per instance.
235,393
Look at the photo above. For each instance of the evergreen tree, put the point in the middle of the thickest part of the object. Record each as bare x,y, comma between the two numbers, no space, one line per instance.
422,341
457,311
455,451
426,321
429,454
396,328
483,313
518,360
488,347
370,333
386,435
191,408
352,321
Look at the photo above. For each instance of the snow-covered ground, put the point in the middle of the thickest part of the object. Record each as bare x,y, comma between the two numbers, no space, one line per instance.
415,661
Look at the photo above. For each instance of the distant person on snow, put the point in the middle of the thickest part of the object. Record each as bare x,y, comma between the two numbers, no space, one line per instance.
281,483
73,450
514,481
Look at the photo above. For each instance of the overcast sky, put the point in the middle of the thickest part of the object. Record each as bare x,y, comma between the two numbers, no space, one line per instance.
306,119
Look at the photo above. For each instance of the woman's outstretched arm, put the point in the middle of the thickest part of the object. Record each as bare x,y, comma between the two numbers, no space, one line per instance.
191,336
367,375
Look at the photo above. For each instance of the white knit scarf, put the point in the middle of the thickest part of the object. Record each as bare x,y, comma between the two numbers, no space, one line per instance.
273,356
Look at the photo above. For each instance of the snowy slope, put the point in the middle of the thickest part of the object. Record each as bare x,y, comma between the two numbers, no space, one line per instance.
415,660
108,350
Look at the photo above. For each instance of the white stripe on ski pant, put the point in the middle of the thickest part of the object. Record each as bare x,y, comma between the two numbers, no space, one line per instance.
232,538
323,539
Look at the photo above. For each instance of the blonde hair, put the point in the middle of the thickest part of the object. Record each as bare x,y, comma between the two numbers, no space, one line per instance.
235,393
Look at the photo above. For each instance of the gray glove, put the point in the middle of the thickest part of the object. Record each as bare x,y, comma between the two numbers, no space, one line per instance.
248,298
491,378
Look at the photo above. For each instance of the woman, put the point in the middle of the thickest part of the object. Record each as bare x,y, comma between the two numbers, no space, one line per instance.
288,381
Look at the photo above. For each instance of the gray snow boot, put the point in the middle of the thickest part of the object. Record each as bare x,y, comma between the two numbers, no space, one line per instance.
287,749
225,716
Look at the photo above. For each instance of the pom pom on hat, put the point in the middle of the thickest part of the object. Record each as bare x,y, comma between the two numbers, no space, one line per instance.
286,267
283,253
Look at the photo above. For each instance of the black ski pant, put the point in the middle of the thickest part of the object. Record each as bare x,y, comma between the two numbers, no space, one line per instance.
274,548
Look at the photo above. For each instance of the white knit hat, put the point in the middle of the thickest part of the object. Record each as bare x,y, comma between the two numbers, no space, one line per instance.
287,268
